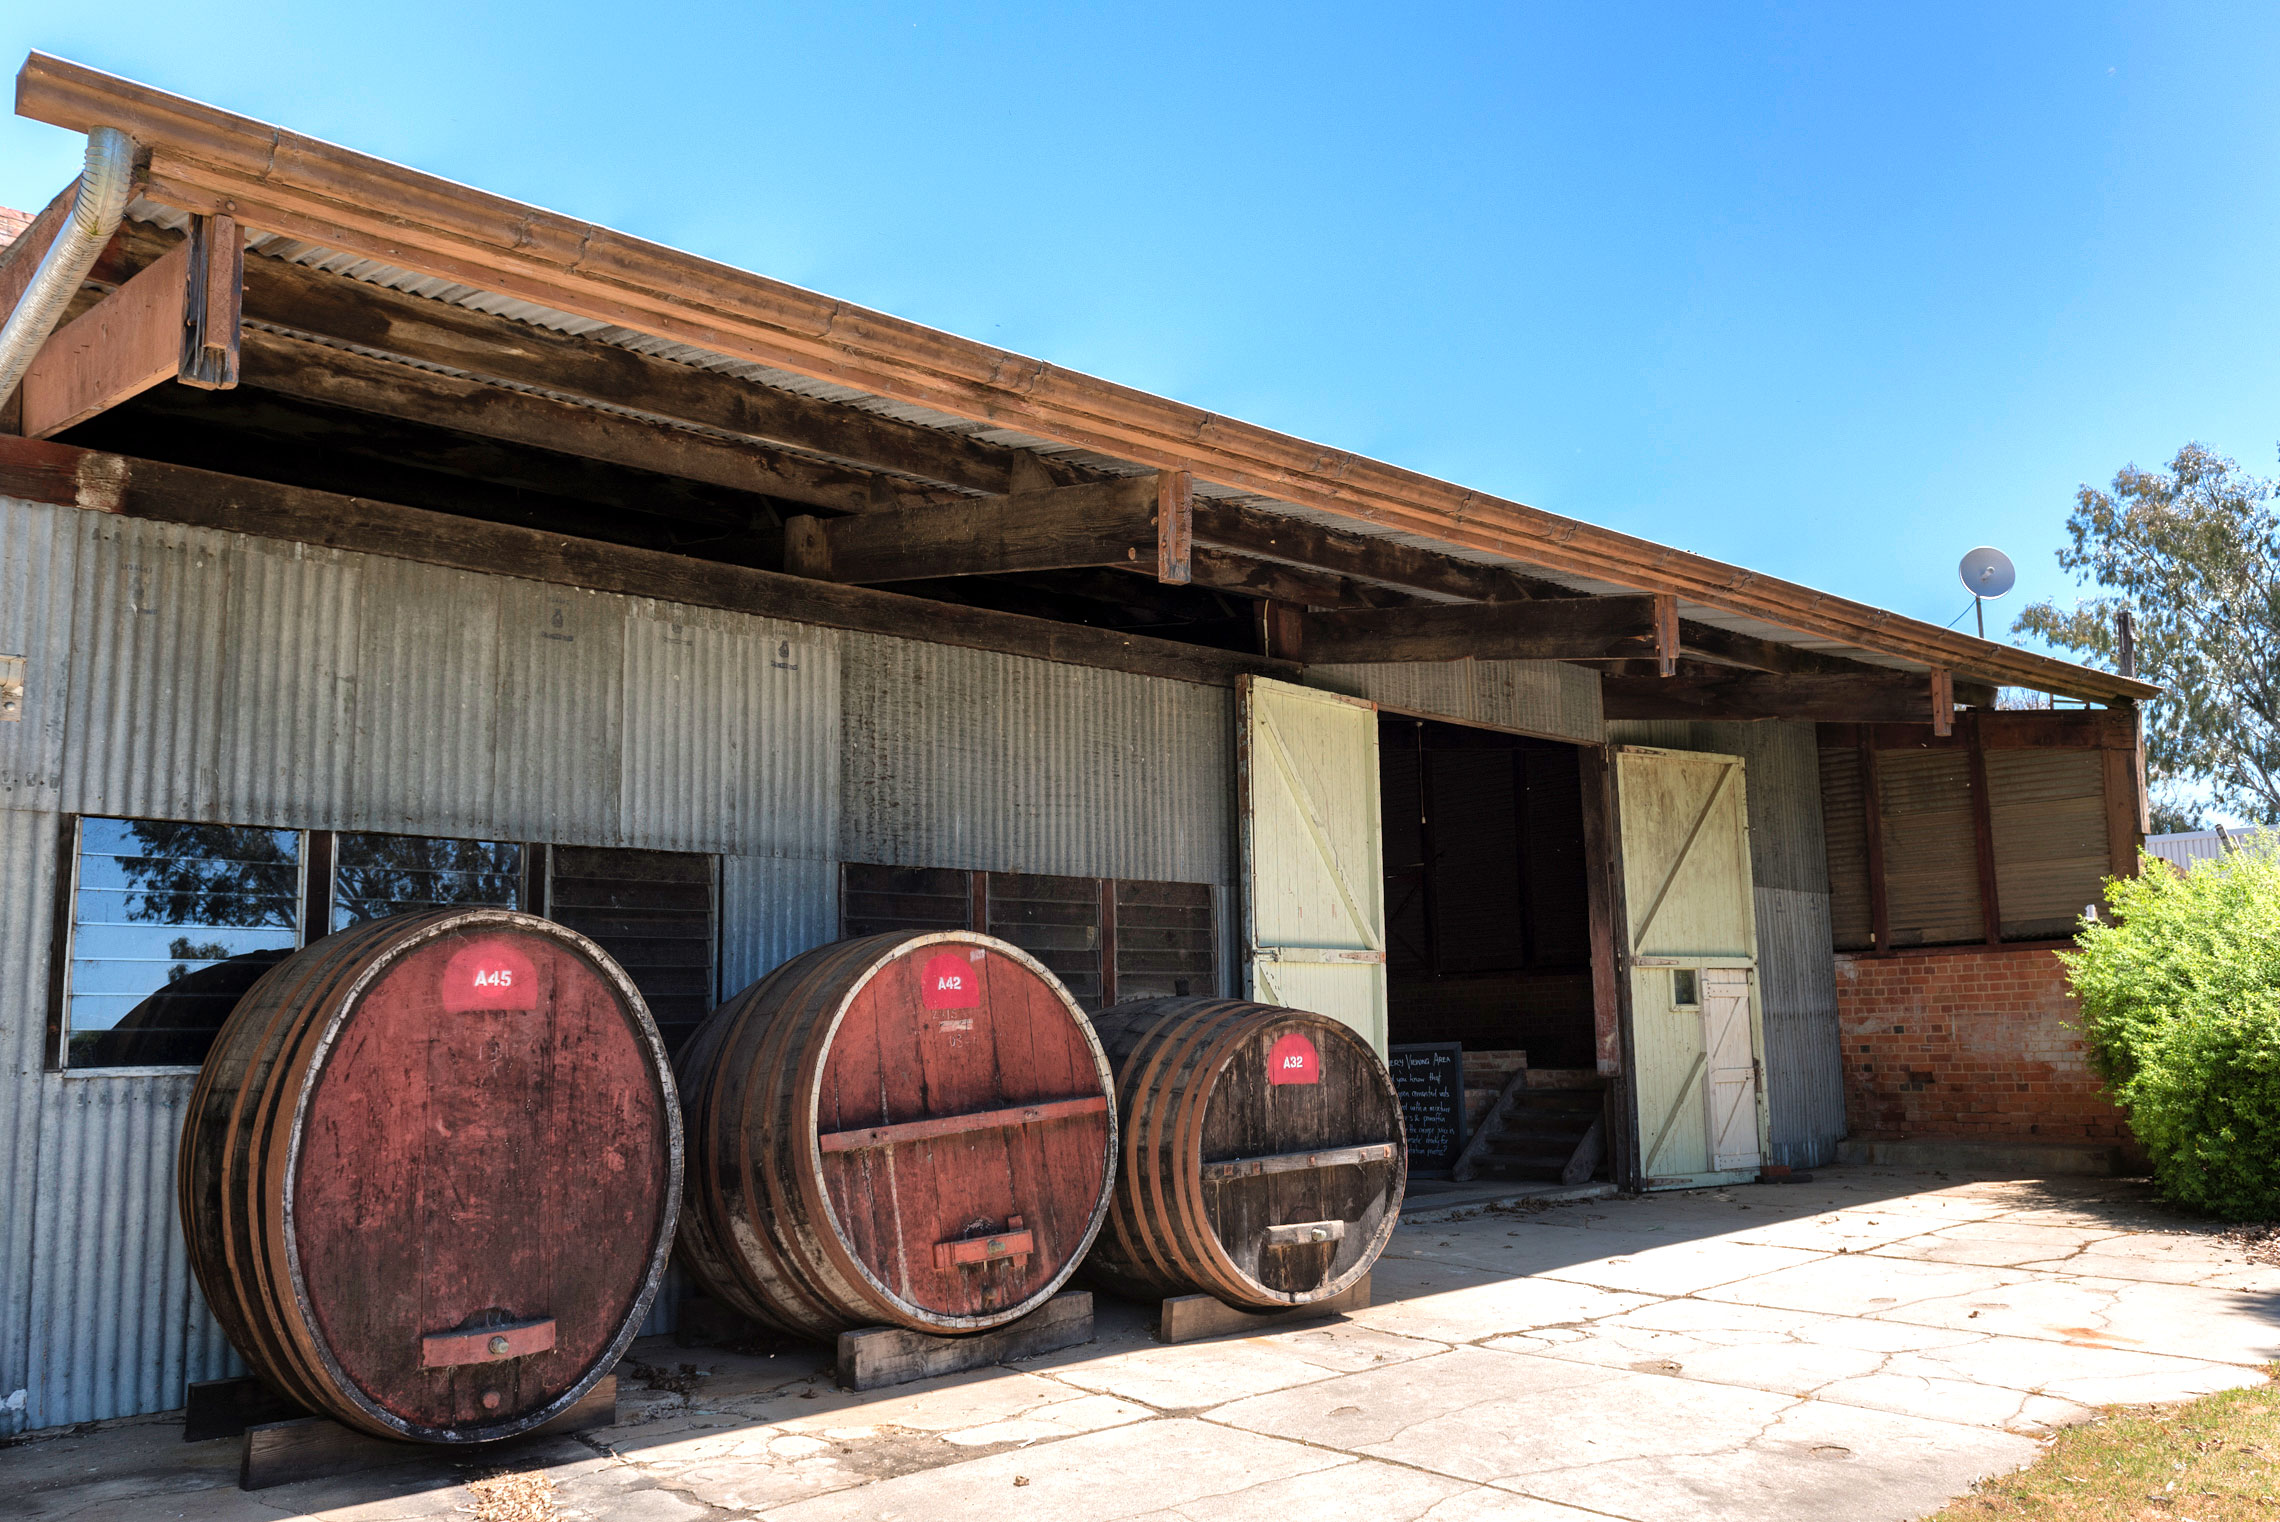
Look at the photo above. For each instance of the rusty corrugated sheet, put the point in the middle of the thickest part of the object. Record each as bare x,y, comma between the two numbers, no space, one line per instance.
965,758
1552,698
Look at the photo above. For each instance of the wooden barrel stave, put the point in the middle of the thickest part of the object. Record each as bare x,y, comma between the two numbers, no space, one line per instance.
1224,1178
816,1236
291,1131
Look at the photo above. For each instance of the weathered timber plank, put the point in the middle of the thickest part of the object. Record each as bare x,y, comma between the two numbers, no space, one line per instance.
1895,697
1383,562
127,343
1225,571
314,1447
314,372
48,472
1098,523
217,1408
1191,1318
872,1357
1575,628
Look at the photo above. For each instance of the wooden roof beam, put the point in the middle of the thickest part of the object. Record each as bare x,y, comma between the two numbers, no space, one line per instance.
1129,522
1893,697
1576,628
177,319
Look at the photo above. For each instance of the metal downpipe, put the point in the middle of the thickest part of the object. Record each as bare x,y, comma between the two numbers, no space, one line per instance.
95,212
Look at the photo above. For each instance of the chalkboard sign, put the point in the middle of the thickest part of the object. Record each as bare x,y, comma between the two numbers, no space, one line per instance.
1430,1077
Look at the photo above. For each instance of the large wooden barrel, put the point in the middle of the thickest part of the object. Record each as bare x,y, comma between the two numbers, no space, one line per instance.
901,1129
1263,1157
430,1172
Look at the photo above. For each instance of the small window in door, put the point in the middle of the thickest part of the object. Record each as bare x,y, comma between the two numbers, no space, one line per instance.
1685,987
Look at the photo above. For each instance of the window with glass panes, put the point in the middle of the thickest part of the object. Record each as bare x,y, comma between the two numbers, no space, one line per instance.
171,922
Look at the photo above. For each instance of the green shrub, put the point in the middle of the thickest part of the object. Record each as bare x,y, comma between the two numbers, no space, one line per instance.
2180,994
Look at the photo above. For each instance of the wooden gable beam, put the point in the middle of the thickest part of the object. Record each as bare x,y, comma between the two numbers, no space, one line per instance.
1574,628
177,319
1871,697
1137,521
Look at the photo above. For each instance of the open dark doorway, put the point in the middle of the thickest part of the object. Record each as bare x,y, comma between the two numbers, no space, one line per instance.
1488,946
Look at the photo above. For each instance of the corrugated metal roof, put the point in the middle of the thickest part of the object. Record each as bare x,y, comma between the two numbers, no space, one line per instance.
375,272
2186,847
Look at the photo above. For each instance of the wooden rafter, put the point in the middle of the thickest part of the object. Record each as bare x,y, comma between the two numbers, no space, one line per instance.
1578,628
1135,522
1870,697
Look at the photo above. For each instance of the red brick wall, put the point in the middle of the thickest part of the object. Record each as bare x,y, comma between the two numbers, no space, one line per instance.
1967,1042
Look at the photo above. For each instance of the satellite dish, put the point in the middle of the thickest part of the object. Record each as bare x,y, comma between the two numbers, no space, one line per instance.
1987,572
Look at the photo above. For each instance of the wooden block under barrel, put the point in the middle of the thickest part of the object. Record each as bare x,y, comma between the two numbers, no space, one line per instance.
873,1356
313,1447
1191,1318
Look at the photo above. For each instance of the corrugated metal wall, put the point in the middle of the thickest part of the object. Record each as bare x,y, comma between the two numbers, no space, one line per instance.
183,673
1796,966
1550,698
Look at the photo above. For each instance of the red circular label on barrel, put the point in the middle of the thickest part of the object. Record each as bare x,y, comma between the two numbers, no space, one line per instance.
1292,1059
951,980
489,974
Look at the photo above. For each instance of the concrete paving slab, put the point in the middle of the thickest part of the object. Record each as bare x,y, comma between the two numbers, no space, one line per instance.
1647,1263
1812,1462
1833,1231
1858,1284
1444,1303
1199,1375
2183,1320
1361,1491
1123,1472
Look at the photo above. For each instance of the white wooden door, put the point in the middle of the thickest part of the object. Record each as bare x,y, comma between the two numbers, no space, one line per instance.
1730,1069
1313,853
1691,927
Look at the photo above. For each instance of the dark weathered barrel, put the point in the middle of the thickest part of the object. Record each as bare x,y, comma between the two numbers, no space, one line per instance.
430,1172
901,1129
1262,1158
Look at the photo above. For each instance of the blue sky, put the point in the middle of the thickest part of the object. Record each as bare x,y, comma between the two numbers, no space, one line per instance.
1833,291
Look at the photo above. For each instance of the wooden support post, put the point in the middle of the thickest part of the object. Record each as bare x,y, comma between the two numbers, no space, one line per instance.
1107,942
1943,701
1666,634
214,304
1983,835
1175,525
1872,806
1601,896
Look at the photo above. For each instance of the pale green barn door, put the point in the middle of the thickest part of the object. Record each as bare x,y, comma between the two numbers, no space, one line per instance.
1697,1033
1313,853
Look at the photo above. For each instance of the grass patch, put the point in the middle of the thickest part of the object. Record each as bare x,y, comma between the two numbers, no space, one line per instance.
2216,1459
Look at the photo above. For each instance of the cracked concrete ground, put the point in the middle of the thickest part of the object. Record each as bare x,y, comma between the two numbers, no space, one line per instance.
1864,1345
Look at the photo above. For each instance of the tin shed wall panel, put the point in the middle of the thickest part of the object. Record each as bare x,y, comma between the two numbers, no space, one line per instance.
39,554
147,664
176,672
1796,959
427,700
731,734
555,775
967,758
119,1326
1551,698
27,898
772,908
